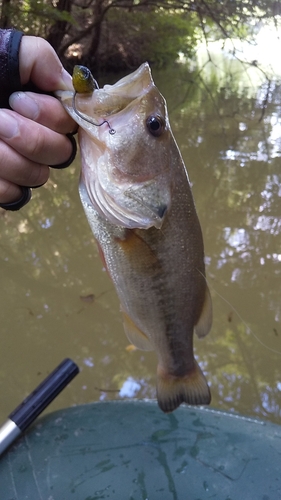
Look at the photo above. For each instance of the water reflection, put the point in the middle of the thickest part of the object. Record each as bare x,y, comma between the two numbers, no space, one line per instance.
130,388
57,301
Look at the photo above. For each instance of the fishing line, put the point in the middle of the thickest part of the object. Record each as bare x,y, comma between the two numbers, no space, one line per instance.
86,119
248,329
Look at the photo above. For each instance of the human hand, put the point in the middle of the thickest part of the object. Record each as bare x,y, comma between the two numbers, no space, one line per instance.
32,134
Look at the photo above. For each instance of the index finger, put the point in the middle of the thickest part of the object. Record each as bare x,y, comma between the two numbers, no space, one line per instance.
39,63
43,109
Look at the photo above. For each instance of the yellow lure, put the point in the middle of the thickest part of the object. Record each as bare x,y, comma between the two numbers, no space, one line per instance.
83,80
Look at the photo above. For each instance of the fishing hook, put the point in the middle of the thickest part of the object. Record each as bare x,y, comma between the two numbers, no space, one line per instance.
81,115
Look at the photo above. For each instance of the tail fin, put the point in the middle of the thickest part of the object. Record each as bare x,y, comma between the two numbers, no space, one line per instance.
191,389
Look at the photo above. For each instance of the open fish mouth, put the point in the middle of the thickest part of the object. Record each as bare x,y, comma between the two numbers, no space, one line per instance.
109,100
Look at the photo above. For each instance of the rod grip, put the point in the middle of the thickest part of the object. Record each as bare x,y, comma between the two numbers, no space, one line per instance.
44,394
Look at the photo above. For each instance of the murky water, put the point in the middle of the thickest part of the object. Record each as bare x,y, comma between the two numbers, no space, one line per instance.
57,301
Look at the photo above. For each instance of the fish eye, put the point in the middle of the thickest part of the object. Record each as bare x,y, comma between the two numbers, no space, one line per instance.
155,125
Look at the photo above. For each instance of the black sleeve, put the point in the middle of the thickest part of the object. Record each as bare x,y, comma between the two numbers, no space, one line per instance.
9,64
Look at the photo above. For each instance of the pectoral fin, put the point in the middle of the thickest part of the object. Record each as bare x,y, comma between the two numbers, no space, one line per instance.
135,335
204,323
138,251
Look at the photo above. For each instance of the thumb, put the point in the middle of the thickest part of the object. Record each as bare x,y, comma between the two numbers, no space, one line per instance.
40,64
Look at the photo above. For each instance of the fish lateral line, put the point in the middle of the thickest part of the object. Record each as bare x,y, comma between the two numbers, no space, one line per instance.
248,328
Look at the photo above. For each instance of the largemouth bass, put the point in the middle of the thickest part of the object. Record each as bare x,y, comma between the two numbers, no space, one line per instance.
136,195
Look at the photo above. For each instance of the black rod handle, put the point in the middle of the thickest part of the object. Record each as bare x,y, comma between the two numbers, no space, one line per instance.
44,394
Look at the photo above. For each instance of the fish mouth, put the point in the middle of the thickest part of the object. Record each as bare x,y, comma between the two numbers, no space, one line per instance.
132,207
96,108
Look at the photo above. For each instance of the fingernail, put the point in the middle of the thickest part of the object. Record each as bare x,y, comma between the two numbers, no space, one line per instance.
66,81
8,125
23,103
